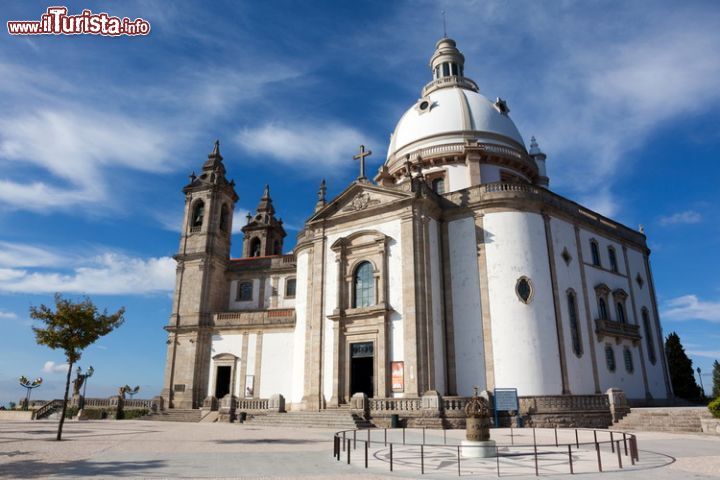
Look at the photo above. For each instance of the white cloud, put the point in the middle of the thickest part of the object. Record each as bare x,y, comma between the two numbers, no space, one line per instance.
602,202
5,315
690,307
20,255
239,220
686,217
52,367
705,353
307,145
107,274
75,147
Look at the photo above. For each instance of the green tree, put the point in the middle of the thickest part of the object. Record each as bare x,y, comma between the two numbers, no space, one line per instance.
716,379
682,375
72,327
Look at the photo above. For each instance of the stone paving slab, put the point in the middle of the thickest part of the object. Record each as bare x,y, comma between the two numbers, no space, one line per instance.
143,449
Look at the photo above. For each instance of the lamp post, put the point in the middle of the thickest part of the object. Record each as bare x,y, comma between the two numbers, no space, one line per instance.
132,391
29,385
87,375
702,388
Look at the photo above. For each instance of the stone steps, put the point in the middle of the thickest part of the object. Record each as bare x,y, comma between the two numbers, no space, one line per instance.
340,419
175,415
671,419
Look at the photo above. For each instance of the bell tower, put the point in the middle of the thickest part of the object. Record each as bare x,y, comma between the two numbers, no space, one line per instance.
264,233
200,287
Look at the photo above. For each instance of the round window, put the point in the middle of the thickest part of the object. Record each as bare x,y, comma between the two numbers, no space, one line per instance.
524,289
424,105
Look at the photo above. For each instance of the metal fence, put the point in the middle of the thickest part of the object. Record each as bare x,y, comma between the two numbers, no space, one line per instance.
563,443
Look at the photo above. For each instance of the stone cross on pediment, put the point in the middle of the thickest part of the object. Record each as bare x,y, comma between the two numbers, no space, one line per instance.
361,156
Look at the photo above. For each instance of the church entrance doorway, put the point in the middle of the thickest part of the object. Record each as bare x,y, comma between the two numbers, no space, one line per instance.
362,371
222,381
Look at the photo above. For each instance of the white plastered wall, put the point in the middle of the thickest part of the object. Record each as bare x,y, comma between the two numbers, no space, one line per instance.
631,383
524,336
467,309
277,355
579,368
298,355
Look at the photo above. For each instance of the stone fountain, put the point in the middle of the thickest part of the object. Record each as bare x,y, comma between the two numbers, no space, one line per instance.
477,443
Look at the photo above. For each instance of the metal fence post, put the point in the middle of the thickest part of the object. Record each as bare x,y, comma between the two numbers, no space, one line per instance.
391,465
366,454
618,455
386,437
458,459
354,439
348,452
612,445
597,450
570,459
343,442
625,443
577,441
556,441
422,459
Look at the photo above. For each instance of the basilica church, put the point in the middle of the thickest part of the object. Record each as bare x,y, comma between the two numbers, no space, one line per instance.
455,265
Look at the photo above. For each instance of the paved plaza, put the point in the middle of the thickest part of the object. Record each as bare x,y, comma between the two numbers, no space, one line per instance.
146,449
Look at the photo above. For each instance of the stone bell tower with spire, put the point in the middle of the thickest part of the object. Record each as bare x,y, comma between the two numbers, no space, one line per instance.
202,260
263,234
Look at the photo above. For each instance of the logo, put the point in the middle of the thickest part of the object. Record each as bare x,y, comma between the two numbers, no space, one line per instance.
56,21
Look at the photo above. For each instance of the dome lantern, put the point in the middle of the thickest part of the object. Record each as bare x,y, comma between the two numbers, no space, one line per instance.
447,65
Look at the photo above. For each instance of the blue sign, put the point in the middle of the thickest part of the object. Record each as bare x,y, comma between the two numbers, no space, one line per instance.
505,400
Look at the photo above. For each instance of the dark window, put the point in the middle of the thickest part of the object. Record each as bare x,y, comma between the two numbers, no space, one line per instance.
244,292
438,186
364,285
197,214
446,69
627,356
602,309
574,324
224,218
595,253
524,290
613,259
648,336
290,285
610,358
454,69
255,247
621,313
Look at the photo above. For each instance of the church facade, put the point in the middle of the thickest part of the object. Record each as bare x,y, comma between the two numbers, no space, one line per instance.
455,266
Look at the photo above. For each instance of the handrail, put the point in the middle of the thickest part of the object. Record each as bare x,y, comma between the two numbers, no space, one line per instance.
47,408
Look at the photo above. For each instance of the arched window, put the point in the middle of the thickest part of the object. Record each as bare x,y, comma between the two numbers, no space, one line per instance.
613,259
438,186
621,313
255,247
610,358
290,286
602,309
574,324
627,356
595,252
648,336
198,214
364,283
224,218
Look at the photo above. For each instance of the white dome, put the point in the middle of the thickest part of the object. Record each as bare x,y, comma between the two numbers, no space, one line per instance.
453,115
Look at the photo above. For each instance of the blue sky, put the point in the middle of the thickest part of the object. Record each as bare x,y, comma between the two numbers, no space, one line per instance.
98,135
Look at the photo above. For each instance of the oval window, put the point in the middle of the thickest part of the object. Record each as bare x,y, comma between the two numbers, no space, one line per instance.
424,105
524,289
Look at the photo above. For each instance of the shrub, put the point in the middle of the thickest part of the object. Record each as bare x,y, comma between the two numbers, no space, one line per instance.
714,407
71,412
135,413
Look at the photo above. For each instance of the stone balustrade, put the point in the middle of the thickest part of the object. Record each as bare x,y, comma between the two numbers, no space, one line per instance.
275,318
610,328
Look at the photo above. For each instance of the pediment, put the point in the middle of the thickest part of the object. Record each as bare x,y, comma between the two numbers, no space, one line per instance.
360,197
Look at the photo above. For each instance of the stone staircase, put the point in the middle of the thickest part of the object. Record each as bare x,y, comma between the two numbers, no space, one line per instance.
337,419
669,419
175,415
